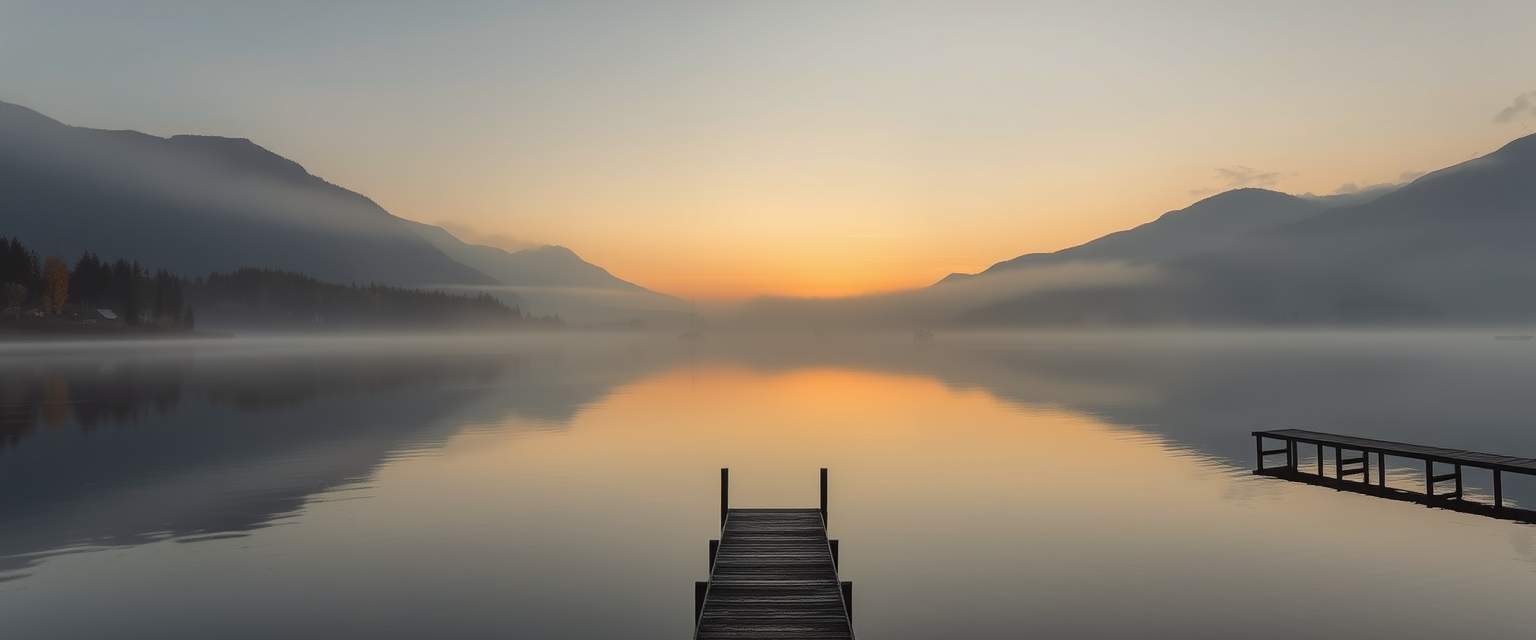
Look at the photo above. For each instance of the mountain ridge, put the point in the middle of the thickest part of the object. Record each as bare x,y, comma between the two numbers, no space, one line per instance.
1456,245
1203,225
197,204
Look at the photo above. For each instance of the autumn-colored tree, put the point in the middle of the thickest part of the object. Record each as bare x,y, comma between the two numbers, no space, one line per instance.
55,284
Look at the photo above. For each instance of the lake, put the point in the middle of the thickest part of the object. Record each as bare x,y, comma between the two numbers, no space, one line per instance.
982,485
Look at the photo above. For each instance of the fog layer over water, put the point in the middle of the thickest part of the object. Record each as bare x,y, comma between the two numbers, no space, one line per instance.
986,485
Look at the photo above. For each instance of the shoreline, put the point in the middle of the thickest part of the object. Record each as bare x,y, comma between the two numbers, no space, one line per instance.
53,333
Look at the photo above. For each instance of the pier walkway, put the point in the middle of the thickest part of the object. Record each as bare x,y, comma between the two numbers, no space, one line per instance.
1358,463
773,574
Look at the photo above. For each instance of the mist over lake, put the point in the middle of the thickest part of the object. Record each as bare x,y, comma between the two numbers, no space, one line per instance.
599,320
998,484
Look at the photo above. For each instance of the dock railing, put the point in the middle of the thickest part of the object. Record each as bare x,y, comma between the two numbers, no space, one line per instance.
1358,463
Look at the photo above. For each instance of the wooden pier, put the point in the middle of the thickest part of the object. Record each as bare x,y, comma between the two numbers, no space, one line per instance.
772,574
1358,463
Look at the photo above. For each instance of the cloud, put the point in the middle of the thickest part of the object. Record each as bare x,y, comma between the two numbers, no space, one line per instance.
472,235
1354,191
1523,105
1240,176
1353,188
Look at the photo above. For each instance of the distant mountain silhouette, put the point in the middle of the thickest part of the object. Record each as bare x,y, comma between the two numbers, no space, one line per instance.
198,204
1458,244
553,280
195,204
546,266
1454,246
1207,225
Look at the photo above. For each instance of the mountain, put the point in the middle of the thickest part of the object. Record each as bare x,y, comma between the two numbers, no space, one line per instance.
201,204
553,280
1455,246
546,266
1210,224
197,204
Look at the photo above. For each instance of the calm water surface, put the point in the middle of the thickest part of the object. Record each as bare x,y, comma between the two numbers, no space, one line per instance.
989,486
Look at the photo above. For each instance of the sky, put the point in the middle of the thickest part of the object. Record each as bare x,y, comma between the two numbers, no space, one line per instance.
719,150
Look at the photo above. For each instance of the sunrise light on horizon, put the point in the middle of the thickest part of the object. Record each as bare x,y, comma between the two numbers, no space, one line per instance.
728,150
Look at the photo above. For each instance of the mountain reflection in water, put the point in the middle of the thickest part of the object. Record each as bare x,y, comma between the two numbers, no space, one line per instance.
110,447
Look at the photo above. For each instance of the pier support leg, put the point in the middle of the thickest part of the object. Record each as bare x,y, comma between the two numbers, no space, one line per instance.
1365,466
699,589
1258,453
824,496
1429,478
725,495
1458,482
1338,463
1319,459
847,588
1498,489
1381,469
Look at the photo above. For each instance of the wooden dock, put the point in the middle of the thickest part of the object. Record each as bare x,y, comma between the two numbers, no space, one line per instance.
1360,451
772,574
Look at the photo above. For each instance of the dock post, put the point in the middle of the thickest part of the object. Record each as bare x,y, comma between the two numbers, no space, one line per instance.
1445,483
772,575
847,588
823,496
725,495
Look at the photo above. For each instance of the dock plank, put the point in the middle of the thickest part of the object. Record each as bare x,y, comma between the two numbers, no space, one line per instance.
774,578
1487,460
1431,495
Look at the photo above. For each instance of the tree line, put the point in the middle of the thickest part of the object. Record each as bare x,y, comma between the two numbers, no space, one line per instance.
255,297
50,289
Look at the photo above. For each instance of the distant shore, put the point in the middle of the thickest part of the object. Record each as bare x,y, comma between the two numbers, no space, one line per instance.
35,329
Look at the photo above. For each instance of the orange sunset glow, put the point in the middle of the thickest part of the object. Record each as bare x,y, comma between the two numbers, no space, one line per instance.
731,150
788,320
